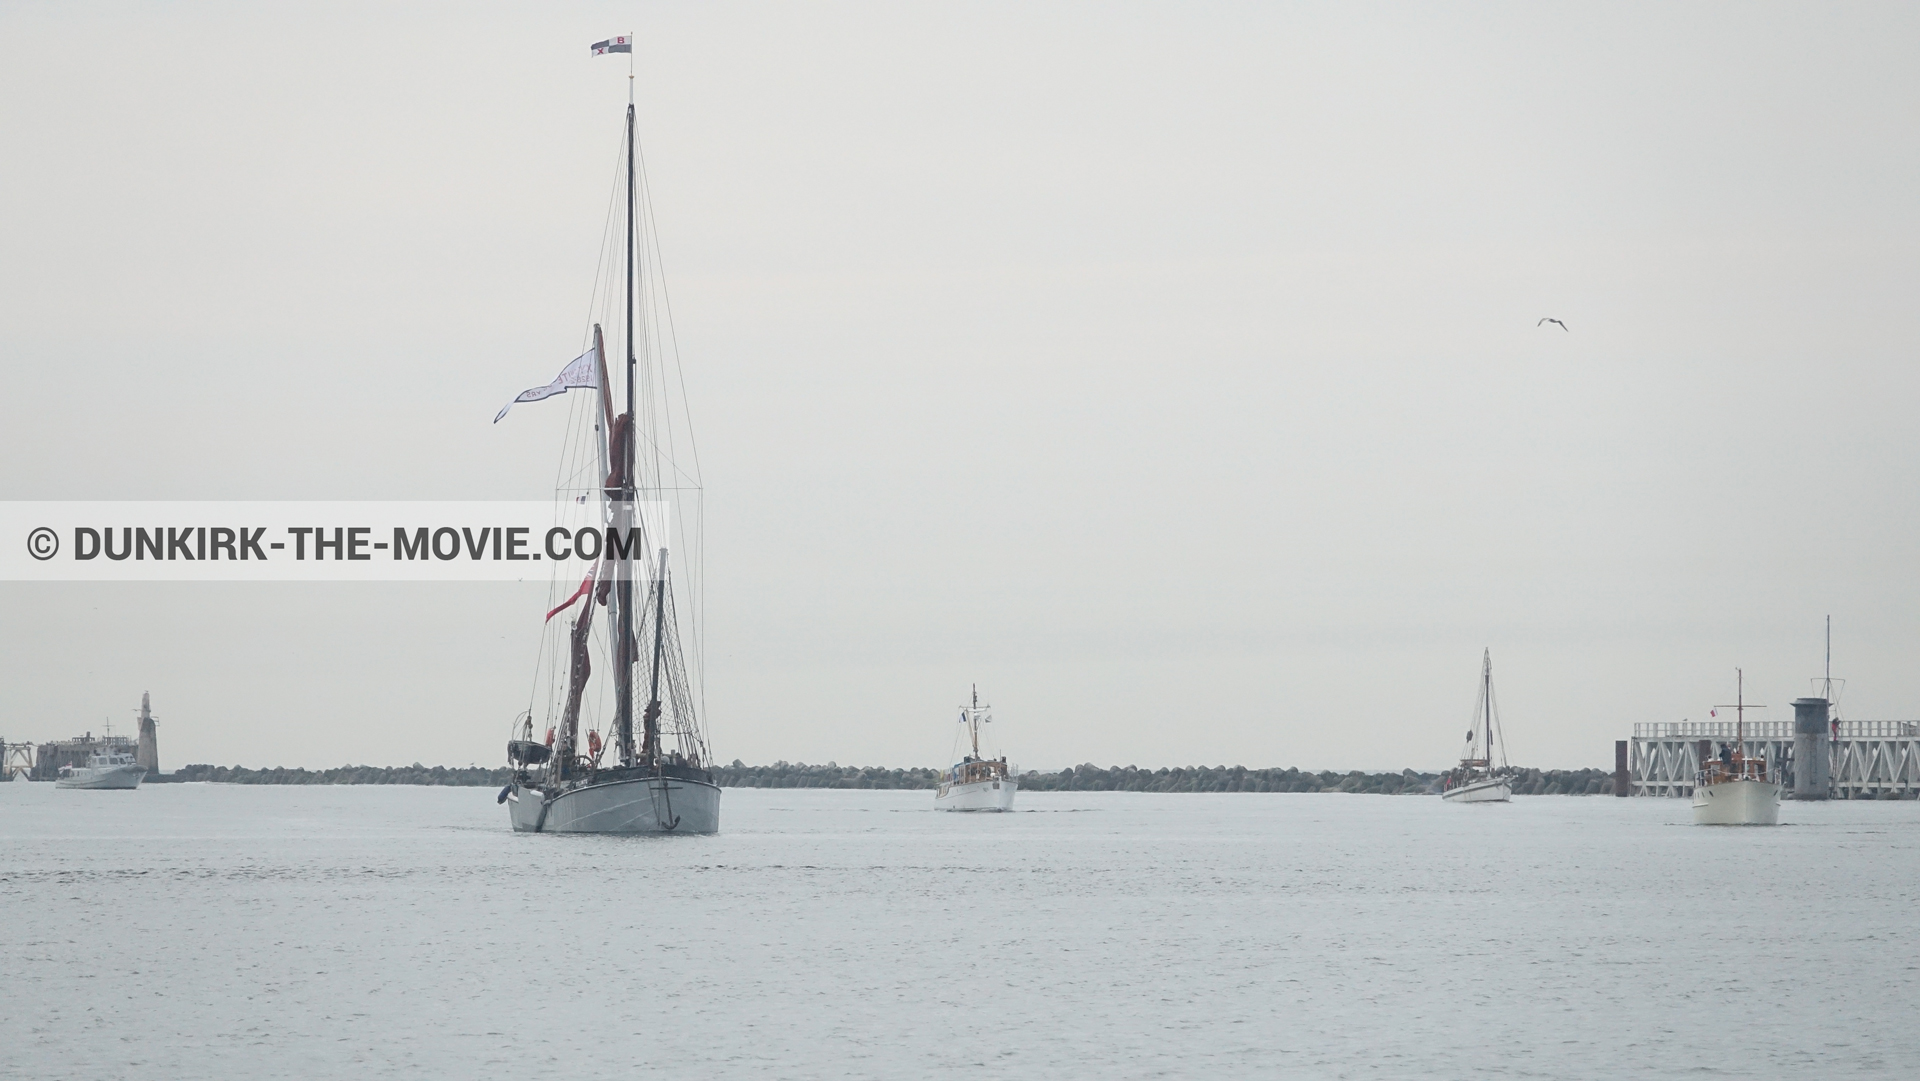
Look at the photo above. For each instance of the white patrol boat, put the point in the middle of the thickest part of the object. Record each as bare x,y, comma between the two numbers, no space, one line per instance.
104,769
976,783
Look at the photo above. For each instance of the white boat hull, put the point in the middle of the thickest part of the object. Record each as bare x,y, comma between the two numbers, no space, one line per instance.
1488,790
636,805
122,777
1741,802
976,796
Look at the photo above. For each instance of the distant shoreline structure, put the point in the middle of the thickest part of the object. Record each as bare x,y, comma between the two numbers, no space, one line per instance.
1082,778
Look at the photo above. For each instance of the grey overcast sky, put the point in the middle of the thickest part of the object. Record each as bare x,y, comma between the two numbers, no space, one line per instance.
1170,370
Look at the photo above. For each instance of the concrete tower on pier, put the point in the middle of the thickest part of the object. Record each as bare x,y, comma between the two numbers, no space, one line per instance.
1812,761
147,755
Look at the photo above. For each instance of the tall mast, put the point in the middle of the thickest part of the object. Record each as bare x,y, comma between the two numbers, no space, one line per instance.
973,722
1826,685
1740,713
570,720
623,648
632,225
1486,696
659,638
1739,708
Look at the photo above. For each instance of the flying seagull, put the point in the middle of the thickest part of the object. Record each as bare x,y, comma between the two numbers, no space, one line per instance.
1556,322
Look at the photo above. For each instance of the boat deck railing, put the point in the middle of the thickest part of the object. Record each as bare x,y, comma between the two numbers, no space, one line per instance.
1769,729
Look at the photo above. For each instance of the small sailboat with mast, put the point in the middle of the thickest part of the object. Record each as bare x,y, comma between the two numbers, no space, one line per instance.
976,782
1731,788
651,774
1483,775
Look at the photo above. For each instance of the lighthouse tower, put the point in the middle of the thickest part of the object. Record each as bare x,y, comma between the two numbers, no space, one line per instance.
147,754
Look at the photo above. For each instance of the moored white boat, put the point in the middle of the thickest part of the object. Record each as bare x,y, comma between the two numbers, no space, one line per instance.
1483,775
987,795
1733,789
976,783
1740,801
1485,790
111,769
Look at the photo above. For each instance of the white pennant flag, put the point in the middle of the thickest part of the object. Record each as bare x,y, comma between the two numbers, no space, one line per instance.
582,373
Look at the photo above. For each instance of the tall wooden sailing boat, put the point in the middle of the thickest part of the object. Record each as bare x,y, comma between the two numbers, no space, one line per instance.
976,782
650,774
1730,788
1483,775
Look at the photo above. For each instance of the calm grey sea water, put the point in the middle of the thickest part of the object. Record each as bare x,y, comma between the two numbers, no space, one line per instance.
216,931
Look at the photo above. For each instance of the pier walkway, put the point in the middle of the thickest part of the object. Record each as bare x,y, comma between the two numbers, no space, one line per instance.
1869,759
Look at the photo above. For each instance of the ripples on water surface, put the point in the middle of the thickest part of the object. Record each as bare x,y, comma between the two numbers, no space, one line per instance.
230,931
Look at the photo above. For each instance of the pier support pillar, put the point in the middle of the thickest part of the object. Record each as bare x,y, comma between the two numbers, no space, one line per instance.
1812,757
